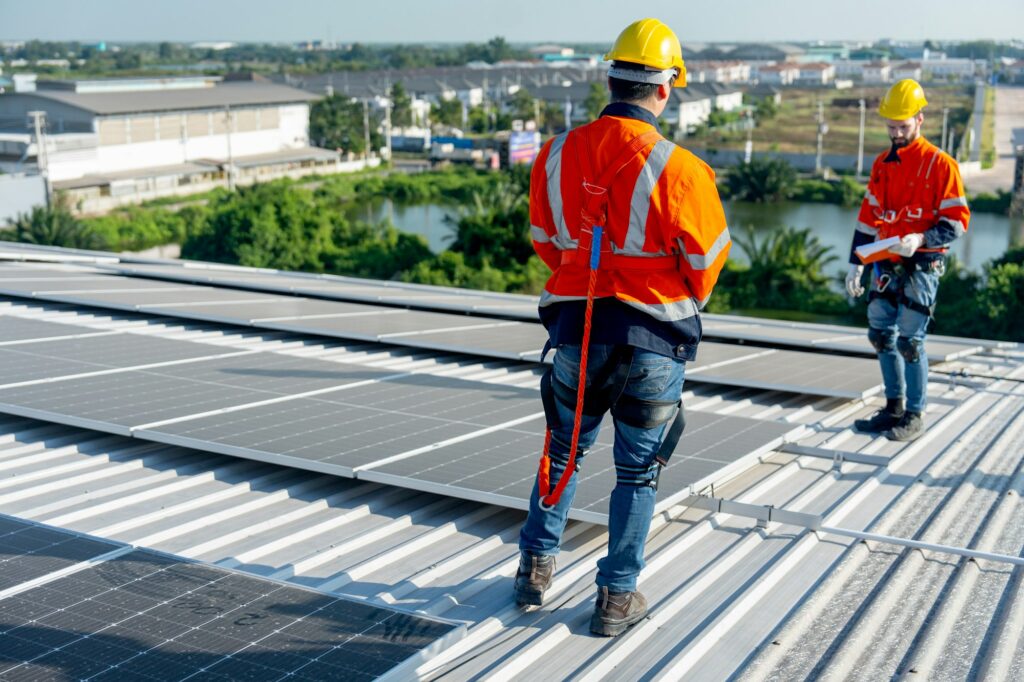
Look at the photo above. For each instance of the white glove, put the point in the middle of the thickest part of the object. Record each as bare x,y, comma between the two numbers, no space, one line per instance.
853,286
908,245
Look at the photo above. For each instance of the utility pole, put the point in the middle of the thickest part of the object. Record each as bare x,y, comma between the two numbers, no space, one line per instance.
945,122
860,141
822,129
229,119
42,154
387,125
366,129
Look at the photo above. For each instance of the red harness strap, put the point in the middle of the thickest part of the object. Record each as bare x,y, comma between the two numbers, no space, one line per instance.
591,243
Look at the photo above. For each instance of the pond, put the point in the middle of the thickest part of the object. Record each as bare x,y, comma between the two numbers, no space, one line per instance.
988,237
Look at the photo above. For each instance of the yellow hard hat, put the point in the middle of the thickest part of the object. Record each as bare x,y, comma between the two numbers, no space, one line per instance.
903,100
653,44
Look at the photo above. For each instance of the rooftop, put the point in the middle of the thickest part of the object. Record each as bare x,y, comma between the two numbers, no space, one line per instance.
731,597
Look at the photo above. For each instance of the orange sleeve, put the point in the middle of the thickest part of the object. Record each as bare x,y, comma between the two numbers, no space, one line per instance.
703,234
542,225
953,212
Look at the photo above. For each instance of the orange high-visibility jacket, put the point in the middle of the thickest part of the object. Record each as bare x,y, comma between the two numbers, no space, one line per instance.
663,203
922,192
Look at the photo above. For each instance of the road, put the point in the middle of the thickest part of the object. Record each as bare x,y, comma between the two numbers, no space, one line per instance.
1009,115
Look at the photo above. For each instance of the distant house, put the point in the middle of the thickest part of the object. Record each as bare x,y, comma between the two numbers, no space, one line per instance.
717,71
950,69
906,70
816,73
764,52
1015,71
778,74
691,106
877,72
547,51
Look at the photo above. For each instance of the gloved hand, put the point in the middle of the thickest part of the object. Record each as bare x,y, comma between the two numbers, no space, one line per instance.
853,286
908,245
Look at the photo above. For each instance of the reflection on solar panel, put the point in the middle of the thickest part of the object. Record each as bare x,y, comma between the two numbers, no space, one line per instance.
29,551
150,616
499,467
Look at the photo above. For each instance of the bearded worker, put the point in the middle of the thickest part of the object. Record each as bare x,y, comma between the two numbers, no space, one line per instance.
916,195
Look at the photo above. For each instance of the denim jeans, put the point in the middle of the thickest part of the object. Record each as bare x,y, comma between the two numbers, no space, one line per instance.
902,378
651,377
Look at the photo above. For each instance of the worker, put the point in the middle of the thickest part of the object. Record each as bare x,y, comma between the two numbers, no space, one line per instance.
915,193
634,231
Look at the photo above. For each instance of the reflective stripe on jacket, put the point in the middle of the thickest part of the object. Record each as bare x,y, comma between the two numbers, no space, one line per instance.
922,192
663,203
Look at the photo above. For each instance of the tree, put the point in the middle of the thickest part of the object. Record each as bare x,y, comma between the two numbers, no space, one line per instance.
596,101
448,112
401,106
523,105
55,226
762,180
336,122
165,51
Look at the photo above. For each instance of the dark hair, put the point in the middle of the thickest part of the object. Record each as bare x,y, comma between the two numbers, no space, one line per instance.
631,91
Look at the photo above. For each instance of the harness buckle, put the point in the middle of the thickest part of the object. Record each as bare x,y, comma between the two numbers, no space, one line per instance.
915,213
889,216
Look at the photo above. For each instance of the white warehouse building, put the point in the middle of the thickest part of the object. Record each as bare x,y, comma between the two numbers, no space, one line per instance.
117,141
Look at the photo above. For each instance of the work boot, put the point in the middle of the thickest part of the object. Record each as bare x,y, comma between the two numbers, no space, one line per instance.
883,420
533,578
909,427
616,611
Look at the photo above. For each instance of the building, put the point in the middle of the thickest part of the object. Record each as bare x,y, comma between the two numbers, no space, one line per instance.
1015,71
816,73
764,52
118,141
876,72
778,74
951,69
728,71
691,106
905,70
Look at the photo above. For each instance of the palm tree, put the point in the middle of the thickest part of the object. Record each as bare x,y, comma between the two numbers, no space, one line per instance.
55,226
787,267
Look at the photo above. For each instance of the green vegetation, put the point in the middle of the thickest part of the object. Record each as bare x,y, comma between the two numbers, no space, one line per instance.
337,122
54,226
762,179
988,130
985,202
987,305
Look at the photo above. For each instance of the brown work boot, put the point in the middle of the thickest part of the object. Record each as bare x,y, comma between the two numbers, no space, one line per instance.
533,578
616,611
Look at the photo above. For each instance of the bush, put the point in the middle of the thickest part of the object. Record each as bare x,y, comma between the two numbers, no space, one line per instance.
843,191
762,180
56,226
986,202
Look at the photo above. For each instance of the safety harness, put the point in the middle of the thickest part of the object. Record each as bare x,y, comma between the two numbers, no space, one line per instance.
605,391
886,276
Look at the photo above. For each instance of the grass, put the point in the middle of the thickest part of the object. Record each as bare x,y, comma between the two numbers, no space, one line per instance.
794,128
988,130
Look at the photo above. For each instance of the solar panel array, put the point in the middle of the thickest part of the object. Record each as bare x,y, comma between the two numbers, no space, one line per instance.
787,334
326,416
832,376
102,610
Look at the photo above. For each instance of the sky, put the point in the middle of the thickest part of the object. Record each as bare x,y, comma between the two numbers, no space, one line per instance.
431,21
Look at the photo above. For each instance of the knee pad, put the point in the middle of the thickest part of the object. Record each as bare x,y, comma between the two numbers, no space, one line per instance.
910,349
638,476
882,340
563,459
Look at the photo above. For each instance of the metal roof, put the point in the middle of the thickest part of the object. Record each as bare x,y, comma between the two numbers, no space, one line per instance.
731,598
216,97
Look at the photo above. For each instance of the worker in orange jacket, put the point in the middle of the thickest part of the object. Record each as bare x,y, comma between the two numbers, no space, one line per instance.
632,223
915,194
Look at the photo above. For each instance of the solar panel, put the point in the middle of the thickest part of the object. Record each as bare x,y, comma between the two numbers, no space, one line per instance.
119,350
135,300
19,367
17,329
336,432
779,370
29,551
116,402
151,616
499,467
378,327
71,286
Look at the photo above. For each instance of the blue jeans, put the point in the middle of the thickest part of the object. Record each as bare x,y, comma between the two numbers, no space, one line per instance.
898,335
651,377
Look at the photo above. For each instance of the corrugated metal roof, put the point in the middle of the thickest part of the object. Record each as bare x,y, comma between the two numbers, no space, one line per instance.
729,599
217,97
